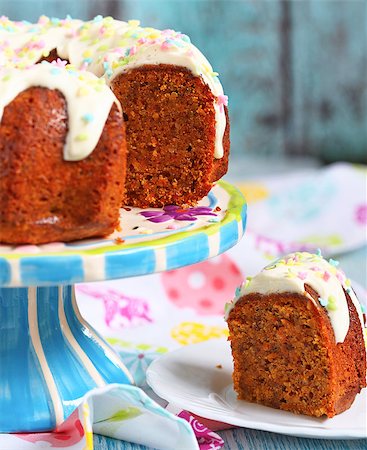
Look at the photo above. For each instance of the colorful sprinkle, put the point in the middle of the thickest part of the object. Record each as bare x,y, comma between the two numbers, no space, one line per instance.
87,118
331,306
238,291
134,23
55,71
326,276
340,276
82,91
222,100
59,63
323,302
302,275
290,274
81,137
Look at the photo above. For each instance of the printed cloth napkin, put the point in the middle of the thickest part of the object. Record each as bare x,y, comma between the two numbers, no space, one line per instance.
147,317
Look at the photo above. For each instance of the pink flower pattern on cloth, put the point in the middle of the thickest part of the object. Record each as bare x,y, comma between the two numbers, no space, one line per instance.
207,439
204,286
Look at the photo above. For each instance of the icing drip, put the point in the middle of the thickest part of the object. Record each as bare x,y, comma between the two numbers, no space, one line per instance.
107,47
292,272
82,92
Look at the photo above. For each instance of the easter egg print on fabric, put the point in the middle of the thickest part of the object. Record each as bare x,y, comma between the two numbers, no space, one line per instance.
330,240
187,333
253,191
304,202
205,287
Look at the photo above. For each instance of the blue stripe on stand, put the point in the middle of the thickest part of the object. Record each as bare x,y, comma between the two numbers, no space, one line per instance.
4,271
20,372
228,236
53,269
107,369
51,335
244,216
190,251
129,263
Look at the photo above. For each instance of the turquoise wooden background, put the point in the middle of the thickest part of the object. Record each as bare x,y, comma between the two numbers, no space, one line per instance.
295,71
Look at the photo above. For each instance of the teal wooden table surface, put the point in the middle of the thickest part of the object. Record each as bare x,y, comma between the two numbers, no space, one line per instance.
245,439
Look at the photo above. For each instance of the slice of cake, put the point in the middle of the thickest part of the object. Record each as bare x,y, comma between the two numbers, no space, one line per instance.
297,337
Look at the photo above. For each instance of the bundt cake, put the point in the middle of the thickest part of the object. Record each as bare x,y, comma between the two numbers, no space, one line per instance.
297,336
174,112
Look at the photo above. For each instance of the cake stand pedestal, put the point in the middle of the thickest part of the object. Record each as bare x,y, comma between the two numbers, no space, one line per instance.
49,356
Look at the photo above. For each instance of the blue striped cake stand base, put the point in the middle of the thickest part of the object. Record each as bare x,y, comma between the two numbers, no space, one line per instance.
49,356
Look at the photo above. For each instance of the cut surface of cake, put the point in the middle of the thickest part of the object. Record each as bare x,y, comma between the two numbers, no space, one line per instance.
297,337
170,130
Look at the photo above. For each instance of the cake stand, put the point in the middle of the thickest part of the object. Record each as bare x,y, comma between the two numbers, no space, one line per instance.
49,356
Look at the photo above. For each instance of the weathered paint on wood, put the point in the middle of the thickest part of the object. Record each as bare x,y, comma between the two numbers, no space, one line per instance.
246,439
295,71
330,78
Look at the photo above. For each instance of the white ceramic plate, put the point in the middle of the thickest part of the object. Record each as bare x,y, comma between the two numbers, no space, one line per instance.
198,378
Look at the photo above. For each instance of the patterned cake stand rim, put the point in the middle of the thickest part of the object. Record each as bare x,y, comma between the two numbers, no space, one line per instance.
125,255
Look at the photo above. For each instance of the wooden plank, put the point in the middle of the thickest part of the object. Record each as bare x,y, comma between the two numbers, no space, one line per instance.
31,10
330,76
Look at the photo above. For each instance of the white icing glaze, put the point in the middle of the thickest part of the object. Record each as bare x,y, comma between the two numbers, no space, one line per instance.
107,47
82,92
292,272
